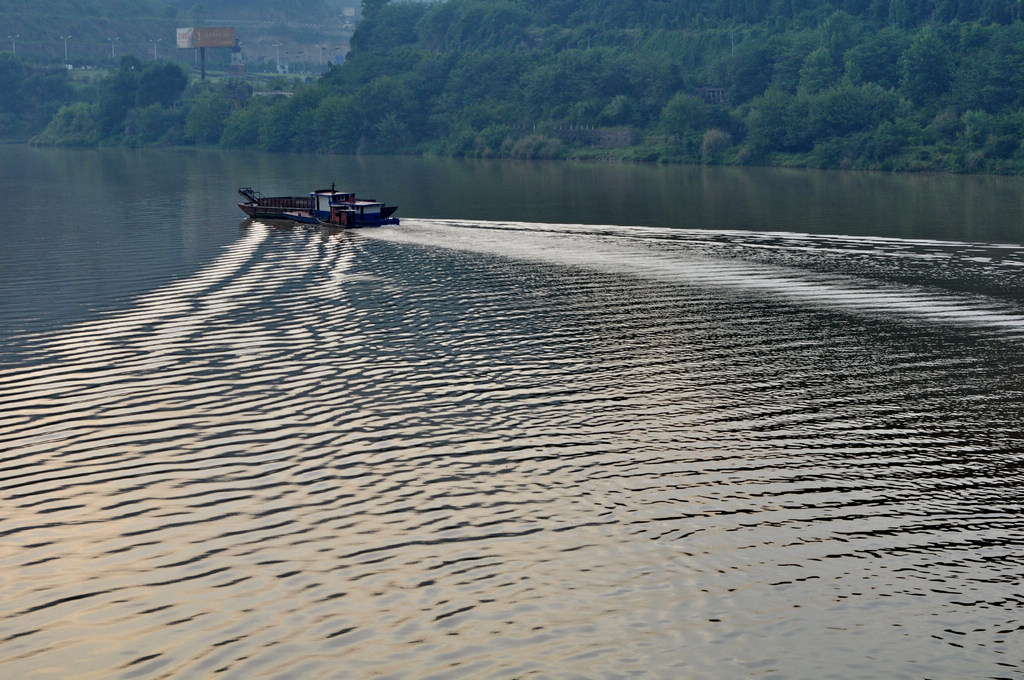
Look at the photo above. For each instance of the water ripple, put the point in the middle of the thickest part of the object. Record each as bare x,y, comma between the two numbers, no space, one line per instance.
462,449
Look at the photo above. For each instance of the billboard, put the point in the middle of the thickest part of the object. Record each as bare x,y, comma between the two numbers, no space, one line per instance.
206,36
186,37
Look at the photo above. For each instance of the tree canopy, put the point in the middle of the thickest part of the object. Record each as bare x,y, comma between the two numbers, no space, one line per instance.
889,84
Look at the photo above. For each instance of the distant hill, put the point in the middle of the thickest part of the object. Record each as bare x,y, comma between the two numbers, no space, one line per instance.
901,84
871,84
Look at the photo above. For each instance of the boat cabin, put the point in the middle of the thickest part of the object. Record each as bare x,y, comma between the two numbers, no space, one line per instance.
322,199
342,207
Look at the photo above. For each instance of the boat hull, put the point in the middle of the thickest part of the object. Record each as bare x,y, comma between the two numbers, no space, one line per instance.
359,223
271,213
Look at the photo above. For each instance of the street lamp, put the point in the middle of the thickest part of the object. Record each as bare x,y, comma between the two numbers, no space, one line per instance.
65,39
278,46
154,46
112,45
14,47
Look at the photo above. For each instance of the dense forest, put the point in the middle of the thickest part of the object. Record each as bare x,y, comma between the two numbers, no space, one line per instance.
872,84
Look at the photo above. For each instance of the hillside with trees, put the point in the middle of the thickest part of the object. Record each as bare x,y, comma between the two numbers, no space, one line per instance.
873,84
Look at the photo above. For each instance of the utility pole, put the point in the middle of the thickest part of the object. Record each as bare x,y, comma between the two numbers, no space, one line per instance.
14,47
154,46
65,39
112,45
278,47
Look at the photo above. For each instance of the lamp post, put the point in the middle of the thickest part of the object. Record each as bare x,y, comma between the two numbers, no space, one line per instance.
112,40
14,46
65,38
154,46
278,47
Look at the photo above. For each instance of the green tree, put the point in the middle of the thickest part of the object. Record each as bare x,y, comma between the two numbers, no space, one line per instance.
750,72
12,81
391,133
907,13
839,34
275,125
76,124
338,121
117,96
779,122
205,121
926,68
160,83
789,52
818,71
682,113
241,129
849,108
877,58
992,77
621,110
153,123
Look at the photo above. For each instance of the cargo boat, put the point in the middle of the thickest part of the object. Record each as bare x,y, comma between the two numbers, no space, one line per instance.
328,207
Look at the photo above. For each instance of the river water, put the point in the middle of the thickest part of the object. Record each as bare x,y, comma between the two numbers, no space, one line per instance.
566,421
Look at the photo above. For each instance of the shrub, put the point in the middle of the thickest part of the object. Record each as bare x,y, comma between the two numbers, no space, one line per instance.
715,142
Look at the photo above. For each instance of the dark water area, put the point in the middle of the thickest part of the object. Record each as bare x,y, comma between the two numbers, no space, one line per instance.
564,421
101,216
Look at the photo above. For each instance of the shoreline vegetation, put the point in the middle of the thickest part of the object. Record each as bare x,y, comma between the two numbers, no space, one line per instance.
892,85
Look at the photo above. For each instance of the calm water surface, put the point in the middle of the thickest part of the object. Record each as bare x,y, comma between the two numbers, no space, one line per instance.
565,421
